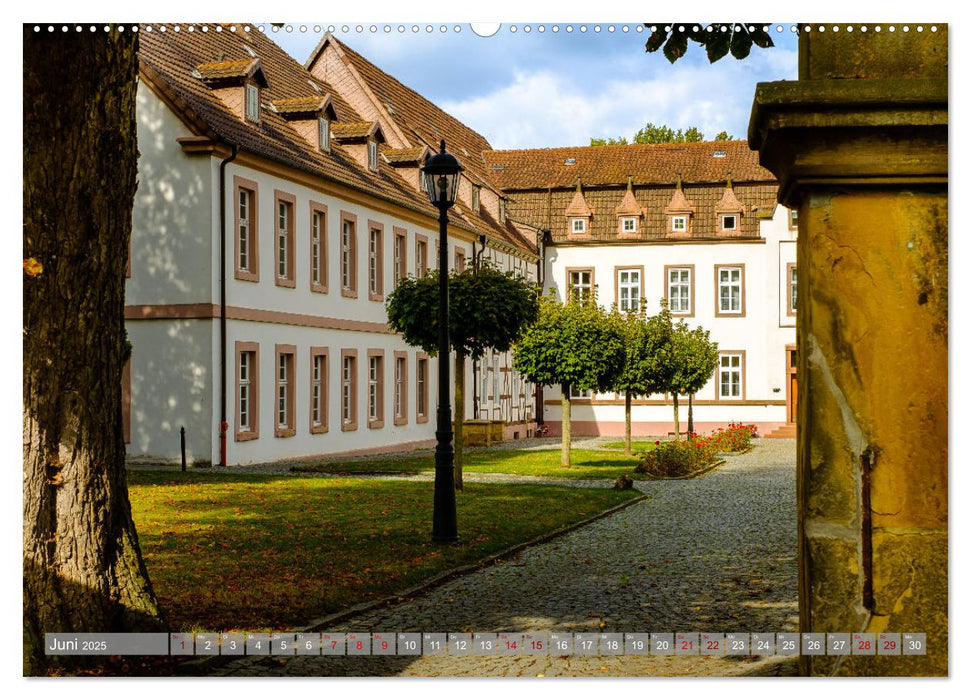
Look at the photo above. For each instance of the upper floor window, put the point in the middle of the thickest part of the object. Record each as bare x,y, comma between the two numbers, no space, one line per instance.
629,224
421,256
731,295
502,210
475,198
375,264
678,291
729,222
679,224
285,263
400,262
324,126
252,102
348,258
791,269
318,248
247,249
578,225
628,289
372,155
793,218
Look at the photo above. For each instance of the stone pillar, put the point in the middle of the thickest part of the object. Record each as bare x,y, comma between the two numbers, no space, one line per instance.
859,144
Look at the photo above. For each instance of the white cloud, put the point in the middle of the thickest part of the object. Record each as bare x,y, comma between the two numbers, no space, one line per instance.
545,109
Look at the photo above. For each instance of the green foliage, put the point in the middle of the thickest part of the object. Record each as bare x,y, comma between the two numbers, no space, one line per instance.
676,458
691,361
725,136
719,40
651,133
575,343
487,309
647,342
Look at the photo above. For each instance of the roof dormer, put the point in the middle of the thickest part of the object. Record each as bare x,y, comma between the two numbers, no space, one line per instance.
236,83
679,212
630,214
311,117
728,212
360,140
579,214
407,162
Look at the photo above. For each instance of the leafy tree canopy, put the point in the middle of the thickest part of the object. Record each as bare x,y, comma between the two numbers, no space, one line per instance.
574,343
648,346
487,309
692,359
652,133
736,38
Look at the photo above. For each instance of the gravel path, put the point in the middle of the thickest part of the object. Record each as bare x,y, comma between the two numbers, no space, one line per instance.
714,554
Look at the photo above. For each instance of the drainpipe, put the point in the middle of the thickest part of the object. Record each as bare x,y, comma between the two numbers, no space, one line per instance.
223,423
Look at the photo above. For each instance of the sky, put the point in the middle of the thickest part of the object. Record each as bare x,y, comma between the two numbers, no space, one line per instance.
535,89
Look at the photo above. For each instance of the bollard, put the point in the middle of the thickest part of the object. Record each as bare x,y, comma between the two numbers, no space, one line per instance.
182,434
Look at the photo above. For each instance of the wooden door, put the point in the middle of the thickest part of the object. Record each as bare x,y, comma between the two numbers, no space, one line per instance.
792,387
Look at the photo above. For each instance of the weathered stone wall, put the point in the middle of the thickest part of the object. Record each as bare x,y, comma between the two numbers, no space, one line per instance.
859,144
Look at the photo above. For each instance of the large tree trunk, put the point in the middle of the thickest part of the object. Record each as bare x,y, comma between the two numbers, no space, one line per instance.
83,570
565,425
677,423
627,398
459,436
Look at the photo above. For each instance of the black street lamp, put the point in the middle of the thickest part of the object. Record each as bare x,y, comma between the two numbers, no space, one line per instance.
441,173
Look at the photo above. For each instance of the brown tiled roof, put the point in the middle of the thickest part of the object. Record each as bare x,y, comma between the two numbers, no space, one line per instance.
578,205
628,205
610,165
729,202
355,130
167,62
226,69
404,155
679,203
425,124
300,105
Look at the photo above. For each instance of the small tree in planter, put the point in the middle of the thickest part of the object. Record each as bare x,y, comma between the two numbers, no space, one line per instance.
647,342
576,344
488,308
691,363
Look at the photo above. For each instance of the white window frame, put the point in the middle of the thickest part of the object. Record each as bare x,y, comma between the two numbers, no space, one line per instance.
283,391
374,267
732,369
252,102
316,221
580,393
475,198
734,218
317,391
578,225
282,238
730,285
680,283
323,127
372,154
679,223
421,379
631,221
579,287
245,207
421,258
399,387
347,257
632,287
347,389
373,395
245,374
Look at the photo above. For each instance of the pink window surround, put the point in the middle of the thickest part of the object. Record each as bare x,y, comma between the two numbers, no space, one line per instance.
401,385
320,285
376,285
377,355
251,271
290,201
349,385
253,349
323,354
348,280
288,354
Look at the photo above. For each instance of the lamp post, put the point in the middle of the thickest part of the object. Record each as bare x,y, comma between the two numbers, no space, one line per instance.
441,173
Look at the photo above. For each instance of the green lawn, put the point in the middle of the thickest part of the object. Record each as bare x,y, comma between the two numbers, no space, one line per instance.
635,445
586,464
259,552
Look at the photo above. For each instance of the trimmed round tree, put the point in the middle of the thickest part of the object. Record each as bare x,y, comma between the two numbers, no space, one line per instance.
488,308
691,362
576,345
647,341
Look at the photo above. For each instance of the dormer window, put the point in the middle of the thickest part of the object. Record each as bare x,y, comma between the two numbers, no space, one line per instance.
679,224
578,226
629,224
252,102
502,211
729,222
475,198
324,127
372,155
793,218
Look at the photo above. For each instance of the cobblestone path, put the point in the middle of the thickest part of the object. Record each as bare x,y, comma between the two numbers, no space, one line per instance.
715,554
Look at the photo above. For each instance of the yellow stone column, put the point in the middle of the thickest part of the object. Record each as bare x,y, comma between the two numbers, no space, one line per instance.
859,144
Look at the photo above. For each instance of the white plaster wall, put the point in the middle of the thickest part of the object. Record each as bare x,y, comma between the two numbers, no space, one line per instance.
268,448
172,386
762,333
172,219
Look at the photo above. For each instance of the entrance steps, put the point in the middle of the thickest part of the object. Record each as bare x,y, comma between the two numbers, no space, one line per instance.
783,431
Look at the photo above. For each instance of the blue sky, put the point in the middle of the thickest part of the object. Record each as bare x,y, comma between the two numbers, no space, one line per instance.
539,89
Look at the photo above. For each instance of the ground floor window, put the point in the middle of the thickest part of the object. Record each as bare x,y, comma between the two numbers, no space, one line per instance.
730,375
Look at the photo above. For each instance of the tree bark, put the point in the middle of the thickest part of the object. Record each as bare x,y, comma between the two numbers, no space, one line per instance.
627,397
677,424
459,413
691,415
83,570
565,425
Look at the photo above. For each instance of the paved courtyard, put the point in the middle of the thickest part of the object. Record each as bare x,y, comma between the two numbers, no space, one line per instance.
715,554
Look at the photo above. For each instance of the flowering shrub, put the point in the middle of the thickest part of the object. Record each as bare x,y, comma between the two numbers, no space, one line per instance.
735,438
542,430
677,458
